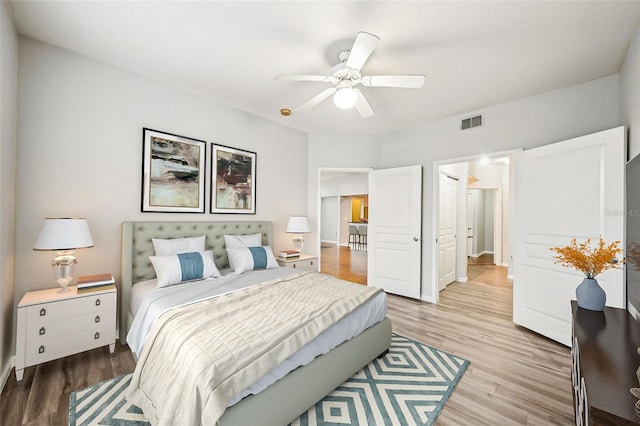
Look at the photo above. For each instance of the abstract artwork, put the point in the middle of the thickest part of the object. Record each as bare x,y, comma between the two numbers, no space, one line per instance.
173,173
233,180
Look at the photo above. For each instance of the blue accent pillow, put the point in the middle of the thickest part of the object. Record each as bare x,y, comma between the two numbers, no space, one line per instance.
191,266
259,255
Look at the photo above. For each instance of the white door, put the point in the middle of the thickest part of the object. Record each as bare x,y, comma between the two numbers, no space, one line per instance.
395,230
447,231
568,189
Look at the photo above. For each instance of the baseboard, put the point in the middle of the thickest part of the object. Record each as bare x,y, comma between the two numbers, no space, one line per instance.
509,277
329,242
6,371
462,279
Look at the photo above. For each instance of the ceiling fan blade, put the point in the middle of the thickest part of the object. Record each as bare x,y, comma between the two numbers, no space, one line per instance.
303,77
409,81
317,99
361,50
363,107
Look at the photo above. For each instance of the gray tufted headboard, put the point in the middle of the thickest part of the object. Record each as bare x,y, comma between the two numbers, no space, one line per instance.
137,247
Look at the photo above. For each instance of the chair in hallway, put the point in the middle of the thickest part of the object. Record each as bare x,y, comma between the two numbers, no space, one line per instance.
354,237
362,237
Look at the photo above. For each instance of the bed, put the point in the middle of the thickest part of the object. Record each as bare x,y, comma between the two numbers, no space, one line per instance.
292,394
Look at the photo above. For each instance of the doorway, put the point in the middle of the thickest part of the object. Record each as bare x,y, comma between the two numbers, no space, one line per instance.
343,201
482,213
482,240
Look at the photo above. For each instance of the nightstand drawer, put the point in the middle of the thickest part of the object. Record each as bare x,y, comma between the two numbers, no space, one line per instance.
305,263
70,307
53,348
44,330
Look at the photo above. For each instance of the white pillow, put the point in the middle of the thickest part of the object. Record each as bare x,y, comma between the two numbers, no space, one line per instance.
241,241
251,258
183,267
178,245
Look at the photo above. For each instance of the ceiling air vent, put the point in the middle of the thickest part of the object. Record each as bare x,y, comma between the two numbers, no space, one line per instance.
470,122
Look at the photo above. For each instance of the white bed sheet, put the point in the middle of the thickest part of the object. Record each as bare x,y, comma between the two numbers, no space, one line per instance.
152,302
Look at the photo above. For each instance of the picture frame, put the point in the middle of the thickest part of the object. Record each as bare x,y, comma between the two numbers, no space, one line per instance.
233,180
173,173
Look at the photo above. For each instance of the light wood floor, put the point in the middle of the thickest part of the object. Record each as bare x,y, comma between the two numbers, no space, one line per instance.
515,378
344,263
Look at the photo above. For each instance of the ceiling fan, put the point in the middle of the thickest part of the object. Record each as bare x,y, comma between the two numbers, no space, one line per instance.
346,75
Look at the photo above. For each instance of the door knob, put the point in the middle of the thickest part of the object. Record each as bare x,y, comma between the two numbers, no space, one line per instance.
416,239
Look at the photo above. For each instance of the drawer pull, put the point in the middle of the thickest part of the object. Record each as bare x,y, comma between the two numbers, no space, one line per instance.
43,312
97,318
97,302
42,331
294,266
41,349
312,263
96,336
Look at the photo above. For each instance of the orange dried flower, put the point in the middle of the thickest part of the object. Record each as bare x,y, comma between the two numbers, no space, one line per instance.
590,262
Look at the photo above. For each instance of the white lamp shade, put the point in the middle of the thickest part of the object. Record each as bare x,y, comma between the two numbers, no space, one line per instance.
298,225
58,234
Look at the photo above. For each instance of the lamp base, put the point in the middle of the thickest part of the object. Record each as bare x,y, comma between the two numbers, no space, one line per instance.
63,269
298,242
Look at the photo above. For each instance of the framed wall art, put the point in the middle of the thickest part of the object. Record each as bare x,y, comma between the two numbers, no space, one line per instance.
173,173
233,180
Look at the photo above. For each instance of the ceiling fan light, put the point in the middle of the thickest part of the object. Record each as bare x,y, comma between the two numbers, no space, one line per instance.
345,98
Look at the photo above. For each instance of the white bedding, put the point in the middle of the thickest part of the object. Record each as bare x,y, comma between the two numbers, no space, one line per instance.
155,302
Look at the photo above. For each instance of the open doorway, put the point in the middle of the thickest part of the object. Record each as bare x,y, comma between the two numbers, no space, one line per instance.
477,210
343,214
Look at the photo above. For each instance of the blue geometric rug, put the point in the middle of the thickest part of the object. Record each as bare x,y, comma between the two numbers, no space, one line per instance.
409,385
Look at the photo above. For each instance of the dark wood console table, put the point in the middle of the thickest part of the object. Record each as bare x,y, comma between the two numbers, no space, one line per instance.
605,360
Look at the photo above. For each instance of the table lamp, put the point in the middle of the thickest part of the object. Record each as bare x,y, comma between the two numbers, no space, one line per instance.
298,225
64,235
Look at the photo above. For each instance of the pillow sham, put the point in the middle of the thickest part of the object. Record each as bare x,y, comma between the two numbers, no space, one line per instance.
251,258
239,241
171,246
182,267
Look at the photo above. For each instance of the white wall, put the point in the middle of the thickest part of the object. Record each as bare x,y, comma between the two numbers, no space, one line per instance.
479,236
80,154
630,95
526,123
330,219
489,195
8,137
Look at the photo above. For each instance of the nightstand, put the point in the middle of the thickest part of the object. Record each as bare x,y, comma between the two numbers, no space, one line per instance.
304,262
53,325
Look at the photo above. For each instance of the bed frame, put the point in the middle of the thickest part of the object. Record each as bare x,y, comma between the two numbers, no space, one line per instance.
298,390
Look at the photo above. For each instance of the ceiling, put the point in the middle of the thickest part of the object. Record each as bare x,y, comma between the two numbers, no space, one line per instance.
474,54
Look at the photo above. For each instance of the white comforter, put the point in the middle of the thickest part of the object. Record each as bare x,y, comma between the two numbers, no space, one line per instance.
158,301
229,342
